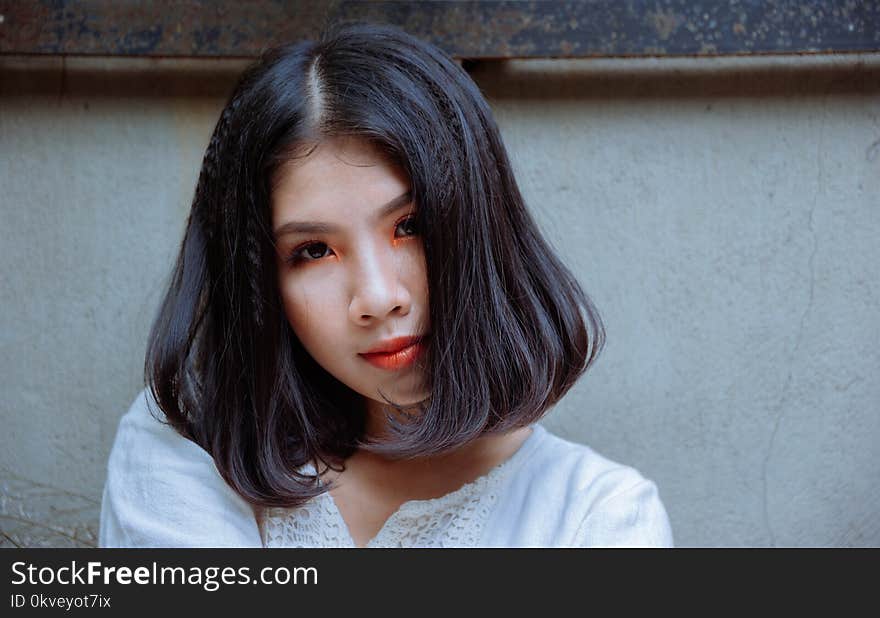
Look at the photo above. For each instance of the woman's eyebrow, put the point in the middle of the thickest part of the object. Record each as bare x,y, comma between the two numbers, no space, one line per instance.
317,227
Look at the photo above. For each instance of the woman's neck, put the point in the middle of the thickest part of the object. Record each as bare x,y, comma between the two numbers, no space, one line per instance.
432,476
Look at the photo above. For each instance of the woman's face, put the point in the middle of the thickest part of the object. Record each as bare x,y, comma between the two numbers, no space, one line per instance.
351,267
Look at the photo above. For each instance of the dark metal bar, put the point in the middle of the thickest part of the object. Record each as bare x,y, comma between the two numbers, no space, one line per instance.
490,29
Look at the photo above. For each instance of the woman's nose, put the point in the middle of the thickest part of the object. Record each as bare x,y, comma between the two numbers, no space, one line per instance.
378,289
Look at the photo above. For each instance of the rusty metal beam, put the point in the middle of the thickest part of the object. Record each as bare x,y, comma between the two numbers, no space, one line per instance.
490,29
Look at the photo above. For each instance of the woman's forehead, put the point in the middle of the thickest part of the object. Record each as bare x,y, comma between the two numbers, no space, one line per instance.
338,178
336,159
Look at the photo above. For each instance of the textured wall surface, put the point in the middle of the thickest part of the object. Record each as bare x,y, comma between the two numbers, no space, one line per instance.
722,213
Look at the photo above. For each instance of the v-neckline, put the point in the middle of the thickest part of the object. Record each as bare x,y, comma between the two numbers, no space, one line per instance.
496,473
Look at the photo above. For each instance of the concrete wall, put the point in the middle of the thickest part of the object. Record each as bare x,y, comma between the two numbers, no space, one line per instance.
722,213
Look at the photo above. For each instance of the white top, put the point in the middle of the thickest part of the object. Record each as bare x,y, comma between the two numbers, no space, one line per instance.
163,490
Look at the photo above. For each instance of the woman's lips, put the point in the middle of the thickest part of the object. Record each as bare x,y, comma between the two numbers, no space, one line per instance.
396,360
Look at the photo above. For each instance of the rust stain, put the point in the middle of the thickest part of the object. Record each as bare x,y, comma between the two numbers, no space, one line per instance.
664,22
708,49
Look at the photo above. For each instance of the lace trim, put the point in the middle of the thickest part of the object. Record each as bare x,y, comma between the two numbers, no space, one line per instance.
315,524
456,519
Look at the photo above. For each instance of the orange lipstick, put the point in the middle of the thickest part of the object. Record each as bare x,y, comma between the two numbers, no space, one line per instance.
395,354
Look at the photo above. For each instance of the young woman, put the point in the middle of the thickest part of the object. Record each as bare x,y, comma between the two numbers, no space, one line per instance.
362,330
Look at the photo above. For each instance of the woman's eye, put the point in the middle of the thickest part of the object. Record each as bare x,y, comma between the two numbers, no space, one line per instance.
310,252
408,226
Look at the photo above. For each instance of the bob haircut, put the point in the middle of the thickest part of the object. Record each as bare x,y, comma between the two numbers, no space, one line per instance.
511,328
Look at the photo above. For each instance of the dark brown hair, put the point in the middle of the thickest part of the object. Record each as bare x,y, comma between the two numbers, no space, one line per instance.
512,329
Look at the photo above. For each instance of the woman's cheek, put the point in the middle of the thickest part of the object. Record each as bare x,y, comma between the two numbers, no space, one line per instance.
417,270
306,297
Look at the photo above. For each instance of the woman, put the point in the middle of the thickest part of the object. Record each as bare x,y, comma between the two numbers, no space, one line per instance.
362,329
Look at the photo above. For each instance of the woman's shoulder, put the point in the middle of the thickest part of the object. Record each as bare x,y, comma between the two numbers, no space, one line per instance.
163,490
578,467
144,423
146,442
592,499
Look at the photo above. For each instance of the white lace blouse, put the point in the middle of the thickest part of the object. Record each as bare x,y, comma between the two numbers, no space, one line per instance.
164,491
